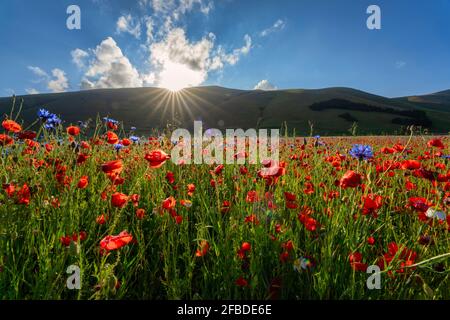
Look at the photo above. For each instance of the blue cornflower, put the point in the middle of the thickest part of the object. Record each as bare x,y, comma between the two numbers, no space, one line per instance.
317,137
361,152
134,139
82,124
118,146
446,156
44,114
109,120
133,128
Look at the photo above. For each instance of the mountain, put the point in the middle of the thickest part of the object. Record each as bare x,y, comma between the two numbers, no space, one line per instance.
330,110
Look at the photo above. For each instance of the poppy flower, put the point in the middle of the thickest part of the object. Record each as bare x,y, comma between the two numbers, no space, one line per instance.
11,126
140,213
252,196
170,177
73,130
114,166
23,195
169,203
241,282
156,158
410,164
126,142
101,219
27,134
5,140
350,179
437,143
371,203
83,182
112,138
119,200
203,250
116,242
356,262
190,189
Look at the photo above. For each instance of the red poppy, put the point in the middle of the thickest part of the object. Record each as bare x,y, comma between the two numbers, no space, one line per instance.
436,143
170,177
169,203
73,130
140,213
26,135
241,282
371,241
126,142
290,196
371,203
350,179
356,262
11,126
115,242
112,167
410,164
83,182
203,250
252,196
119,199
82,158
23,195
112,138
101,219
5,140
157,158
191,189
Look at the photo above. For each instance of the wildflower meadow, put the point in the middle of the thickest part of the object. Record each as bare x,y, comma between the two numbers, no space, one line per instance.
103,200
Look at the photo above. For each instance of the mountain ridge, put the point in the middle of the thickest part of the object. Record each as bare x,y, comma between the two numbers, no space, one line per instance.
331,110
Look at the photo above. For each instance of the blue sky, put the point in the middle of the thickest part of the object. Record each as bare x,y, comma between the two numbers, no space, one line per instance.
231,43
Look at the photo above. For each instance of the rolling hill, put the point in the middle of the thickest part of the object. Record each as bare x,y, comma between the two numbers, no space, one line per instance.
331,110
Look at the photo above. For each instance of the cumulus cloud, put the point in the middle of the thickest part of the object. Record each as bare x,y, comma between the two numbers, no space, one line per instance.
177,8
78,57
38,72
110,68
59,83
265,85
129,25
278,25
187,63
32,91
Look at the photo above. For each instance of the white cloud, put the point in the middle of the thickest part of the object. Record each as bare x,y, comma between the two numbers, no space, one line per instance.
110,69
38,71
278,25
265,85
78,57
56,83
149,25
181,63
32,91
130,25
59,83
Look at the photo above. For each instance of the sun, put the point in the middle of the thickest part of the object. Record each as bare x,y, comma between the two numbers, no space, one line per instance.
177,76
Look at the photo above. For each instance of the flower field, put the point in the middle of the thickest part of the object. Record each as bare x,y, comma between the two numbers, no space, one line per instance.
139,226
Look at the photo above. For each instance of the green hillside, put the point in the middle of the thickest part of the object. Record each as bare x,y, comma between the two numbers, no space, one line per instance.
331,110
